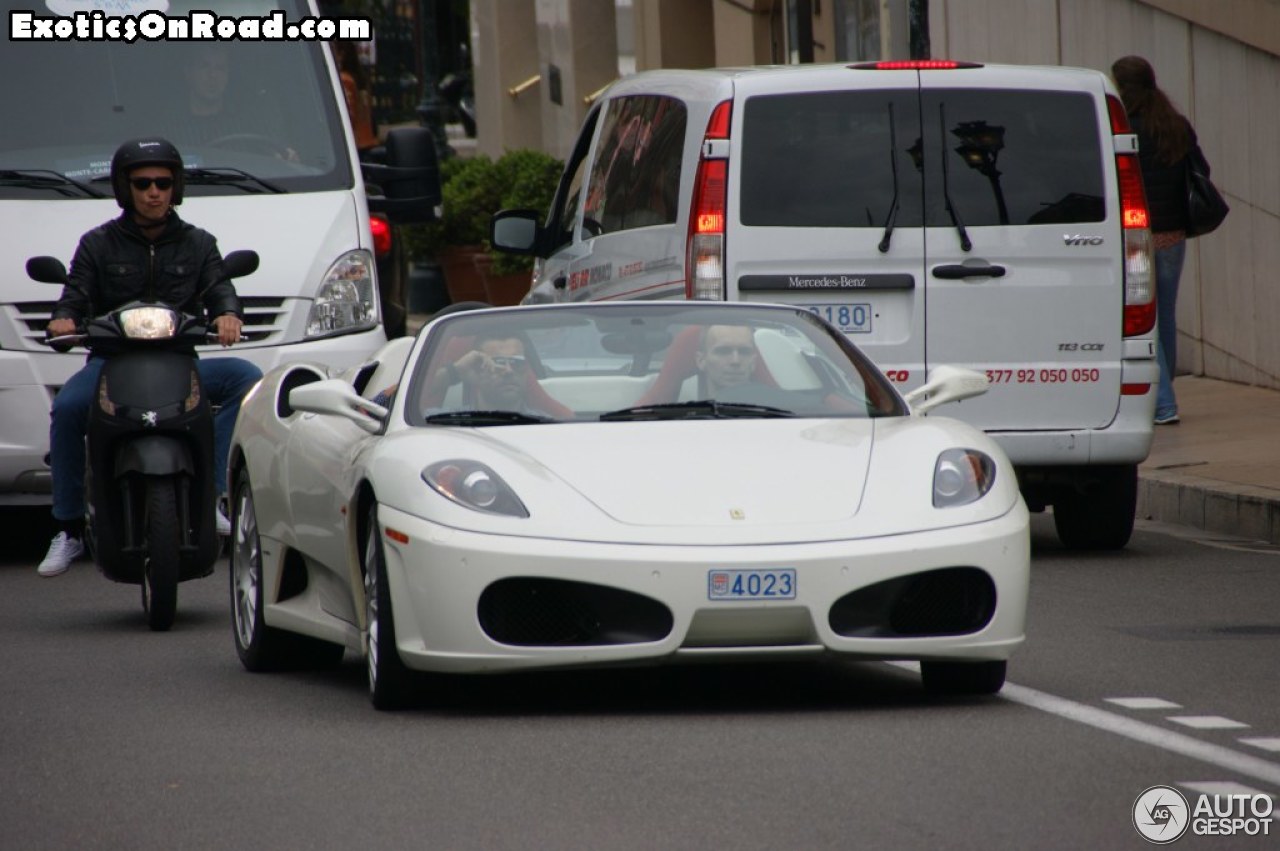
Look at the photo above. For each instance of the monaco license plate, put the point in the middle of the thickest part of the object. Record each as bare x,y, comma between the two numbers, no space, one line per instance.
849,318
776,584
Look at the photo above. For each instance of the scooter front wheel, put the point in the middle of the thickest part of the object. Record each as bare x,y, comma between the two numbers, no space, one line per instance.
160,579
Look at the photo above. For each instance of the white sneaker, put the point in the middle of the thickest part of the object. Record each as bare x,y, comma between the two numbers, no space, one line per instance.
62,551
224,525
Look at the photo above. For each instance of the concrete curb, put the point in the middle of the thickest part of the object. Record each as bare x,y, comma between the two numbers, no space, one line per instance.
1185,499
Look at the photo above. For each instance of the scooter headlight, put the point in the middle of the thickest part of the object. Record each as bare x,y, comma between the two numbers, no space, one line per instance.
148,323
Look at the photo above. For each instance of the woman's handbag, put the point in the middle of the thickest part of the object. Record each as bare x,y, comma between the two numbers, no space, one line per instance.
1206,208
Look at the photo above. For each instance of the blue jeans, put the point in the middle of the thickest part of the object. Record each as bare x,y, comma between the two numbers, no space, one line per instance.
225,380
1168,271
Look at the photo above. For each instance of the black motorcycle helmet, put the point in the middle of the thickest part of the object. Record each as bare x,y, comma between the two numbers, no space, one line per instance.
150,150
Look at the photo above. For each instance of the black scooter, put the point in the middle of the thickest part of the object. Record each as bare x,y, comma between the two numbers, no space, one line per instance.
149,483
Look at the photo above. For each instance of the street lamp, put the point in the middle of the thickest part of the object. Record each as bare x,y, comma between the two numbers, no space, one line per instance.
980,146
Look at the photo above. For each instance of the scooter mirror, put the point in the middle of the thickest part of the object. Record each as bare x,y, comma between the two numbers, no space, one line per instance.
237,264
46,270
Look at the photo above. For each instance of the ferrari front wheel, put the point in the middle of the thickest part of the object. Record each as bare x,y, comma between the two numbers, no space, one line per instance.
390,682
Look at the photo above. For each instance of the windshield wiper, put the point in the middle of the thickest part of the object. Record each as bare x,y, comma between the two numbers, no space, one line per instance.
39,178
229,177
965,243
487,418
893,166
699,410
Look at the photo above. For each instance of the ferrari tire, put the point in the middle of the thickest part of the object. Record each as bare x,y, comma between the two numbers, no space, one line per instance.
160,573
1099,517
963,678
260,647
390,682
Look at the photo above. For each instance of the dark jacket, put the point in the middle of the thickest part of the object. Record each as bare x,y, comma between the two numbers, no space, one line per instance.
1166,184
115,264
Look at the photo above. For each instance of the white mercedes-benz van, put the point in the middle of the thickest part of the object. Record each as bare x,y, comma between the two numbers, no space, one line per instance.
274,169
982,216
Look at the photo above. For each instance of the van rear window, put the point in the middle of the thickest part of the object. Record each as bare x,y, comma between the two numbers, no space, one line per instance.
1014,157
830,159
839,159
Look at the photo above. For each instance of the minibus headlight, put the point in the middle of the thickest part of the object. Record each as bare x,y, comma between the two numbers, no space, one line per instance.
347,297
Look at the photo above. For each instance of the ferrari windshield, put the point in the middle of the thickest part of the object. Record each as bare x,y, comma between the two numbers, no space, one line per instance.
640,361
252,116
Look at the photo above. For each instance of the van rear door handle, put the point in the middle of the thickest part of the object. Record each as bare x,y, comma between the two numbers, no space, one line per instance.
955,271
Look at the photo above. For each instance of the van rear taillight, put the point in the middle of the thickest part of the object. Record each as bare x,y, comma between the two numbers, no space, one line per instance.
1139,267
1119,118
704,265
913,65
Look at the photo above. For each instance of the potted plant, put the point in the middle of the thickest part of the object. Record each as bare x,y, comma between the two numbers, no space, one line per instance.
529,179
472,191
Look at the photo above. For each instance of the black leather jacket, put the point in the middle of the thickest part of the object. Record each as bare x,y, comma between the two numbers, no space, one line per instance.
115,264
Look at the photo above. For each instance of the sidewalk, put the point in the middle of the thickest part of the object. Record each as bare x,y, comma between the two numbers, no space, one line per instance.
1219,469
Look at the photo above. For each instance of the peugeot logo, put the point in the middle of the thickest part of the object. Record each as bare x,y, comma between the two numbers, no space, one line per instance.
149,419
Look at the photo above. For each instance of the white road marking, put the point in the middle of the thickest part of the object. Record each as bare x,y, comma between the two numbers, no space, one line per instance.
1267,743
1139,731
1207,722
1143,703
1221,787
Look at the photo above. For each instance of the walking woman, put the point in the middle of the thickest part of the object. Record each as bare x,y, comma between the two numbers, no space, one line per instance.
1165,138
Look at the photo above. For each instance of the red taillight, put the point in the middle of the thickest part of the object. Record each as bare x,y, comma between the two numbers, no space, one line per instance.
704,265
1139,259
1135,389
380,230
1119,118
718,125
709,196
1133,197
914,65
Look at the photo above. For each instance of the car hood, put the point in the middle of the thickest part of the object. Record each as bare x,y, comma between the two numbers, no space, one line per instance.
721,482
686,474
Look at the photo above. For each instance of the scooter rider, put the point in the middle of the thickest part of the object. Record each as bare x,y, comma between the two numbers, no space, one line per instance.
148,253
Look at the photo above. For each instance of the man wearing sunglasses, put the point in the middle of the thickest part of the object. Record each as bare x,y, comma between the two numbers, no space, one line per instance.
146,254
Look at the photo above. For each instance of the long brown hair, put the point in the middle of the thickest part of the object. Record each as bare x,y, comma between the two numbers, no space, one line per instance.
1136,82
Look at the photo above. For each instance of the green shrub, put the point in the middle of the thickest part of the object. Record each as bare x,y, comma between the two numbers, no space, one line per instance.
474,188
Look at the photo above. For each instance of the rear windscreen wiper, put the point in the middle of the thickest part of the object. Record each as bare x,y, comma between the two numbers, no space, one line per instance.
702,409
479,418
39,178
893,166
965,243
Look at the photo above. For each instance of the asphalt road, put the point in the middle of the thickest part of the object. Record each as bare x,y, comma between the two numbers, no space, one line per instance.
115,737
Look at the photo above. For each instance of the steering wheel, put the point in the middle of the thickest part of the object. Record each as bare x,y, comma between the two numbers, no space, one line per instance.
254,143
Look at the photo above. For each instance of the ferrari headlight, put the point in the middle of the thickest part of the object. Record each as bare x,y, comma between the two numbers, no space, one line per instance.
962,476
347,297
148,323
475,486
